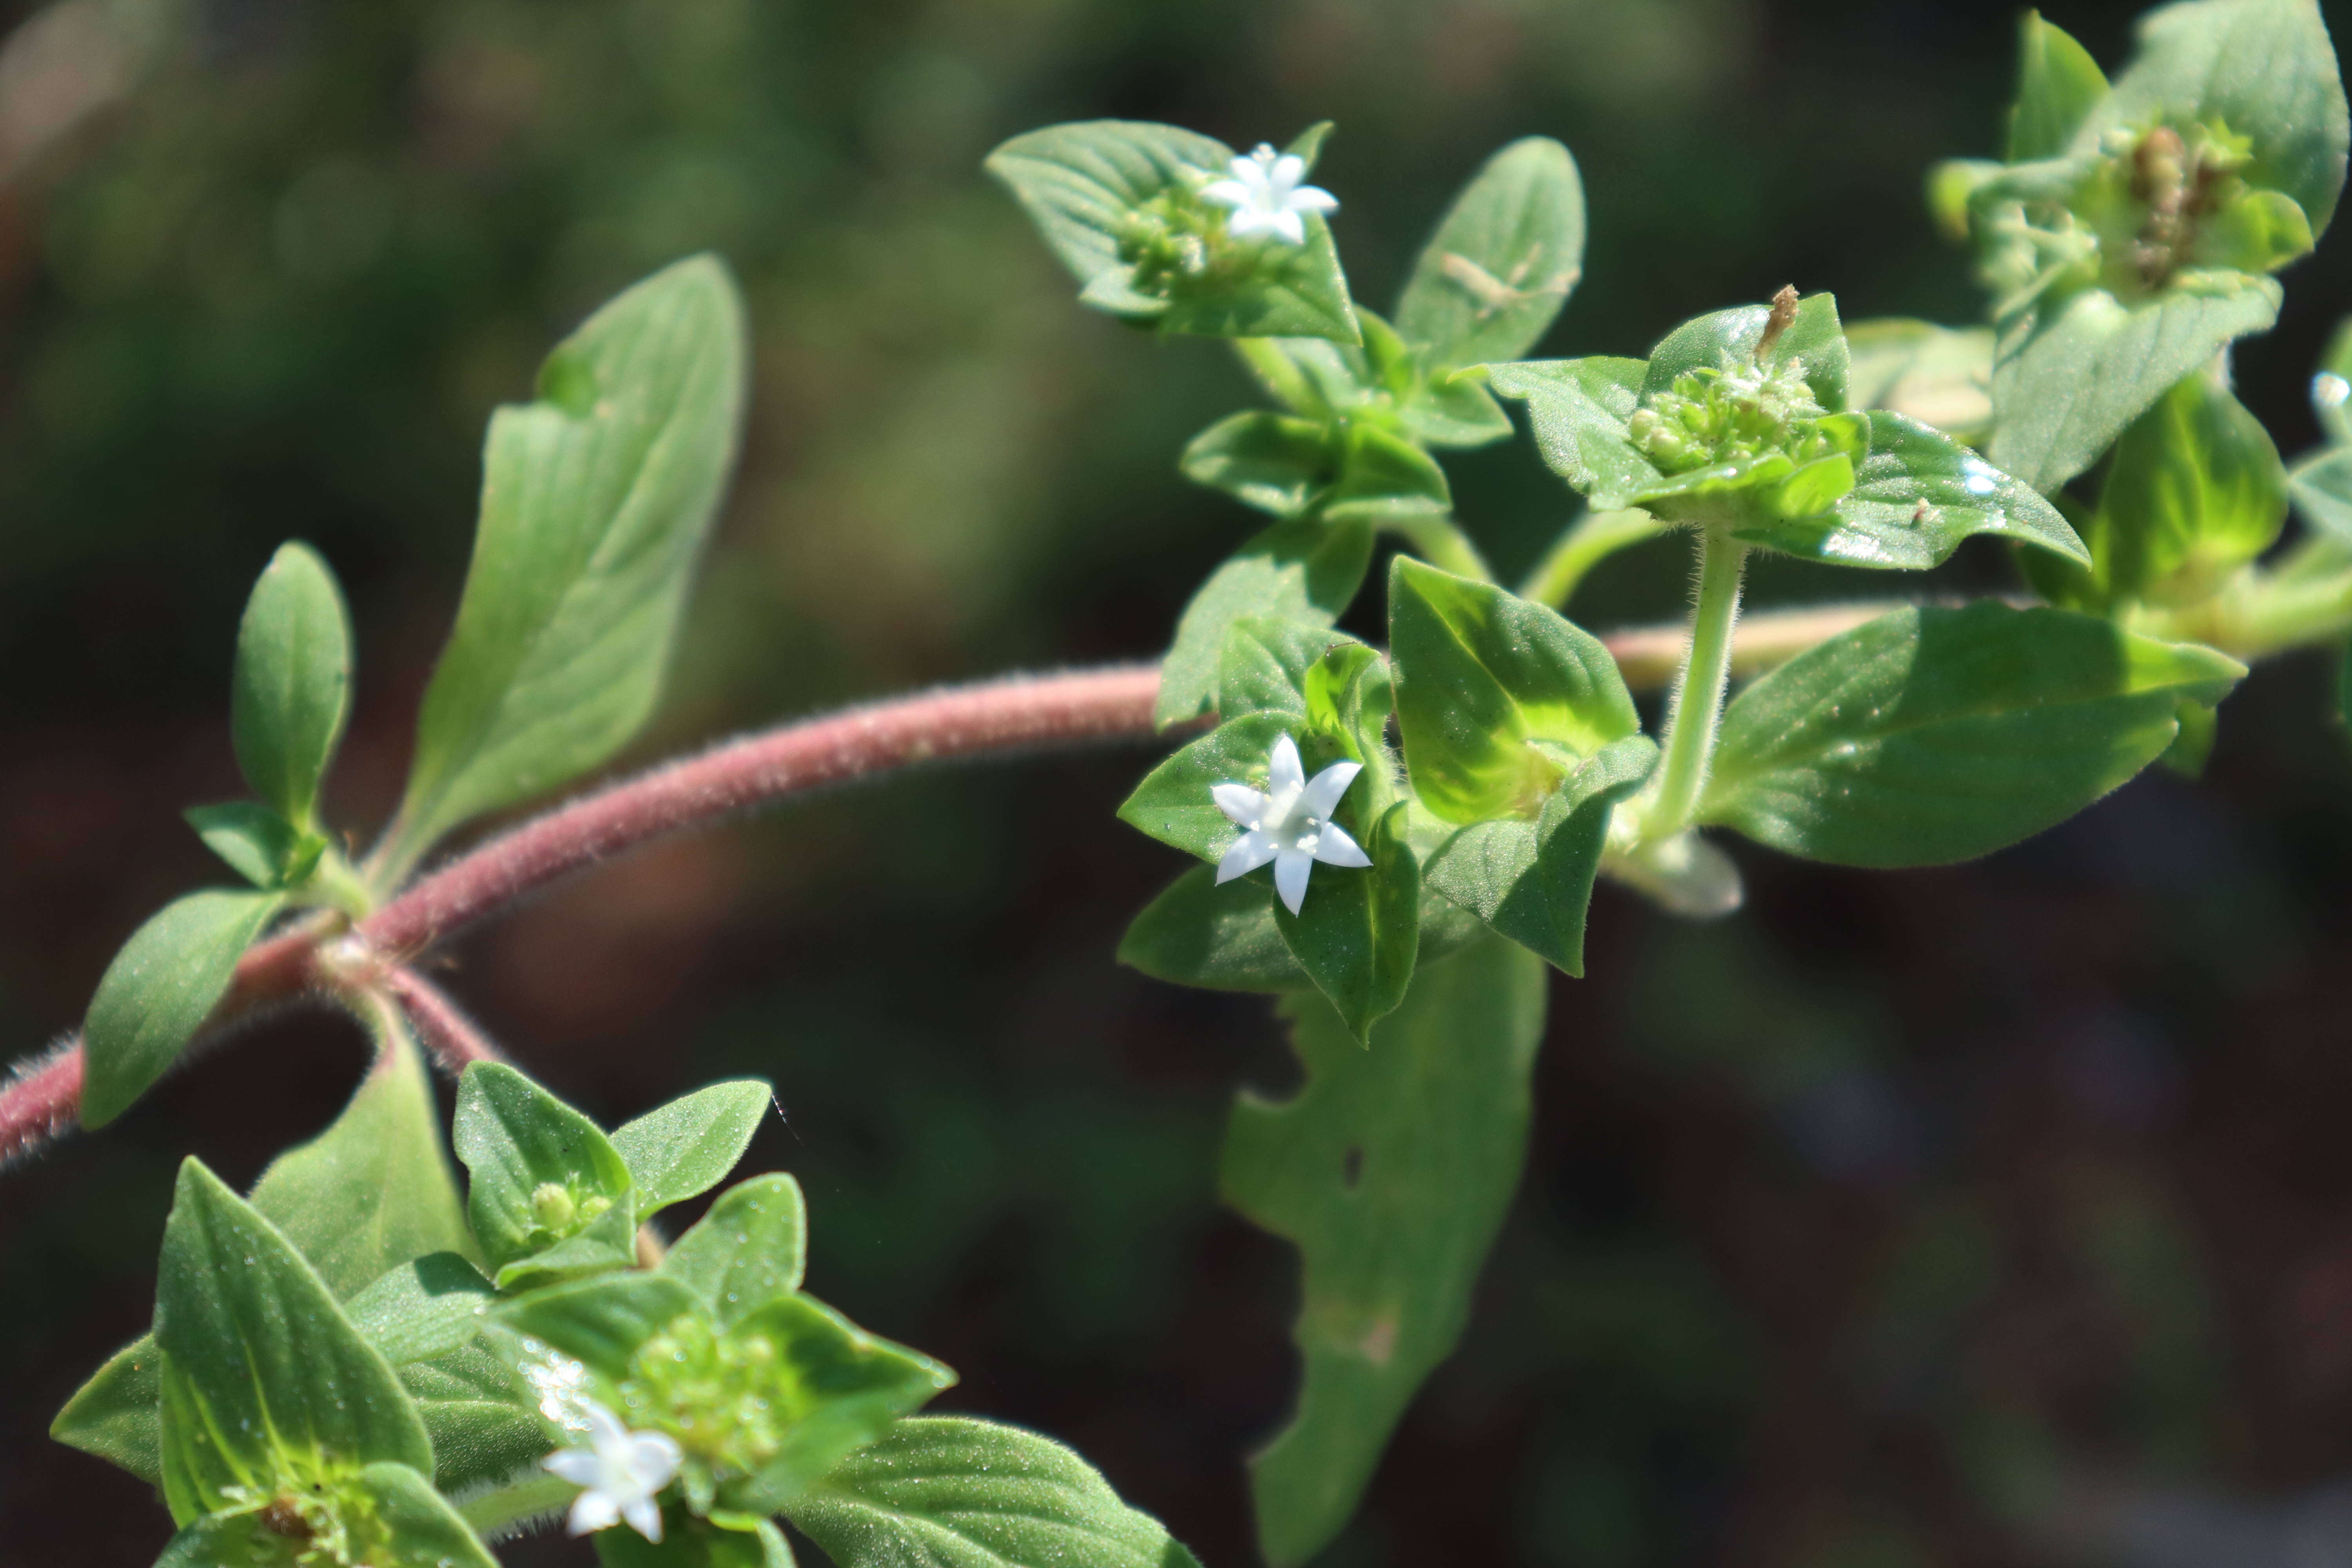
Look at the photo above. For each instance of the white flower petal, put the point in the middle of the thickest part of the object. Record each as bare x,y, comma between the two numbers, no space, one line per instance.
604,1429
1287,170
1250,852
1243,806
1228,194
1250,220
1248,171
1334,848
1289,225
644,1517
1313,199
1290,872
1286,774
654,1459
578,1465
1323,792
592,1511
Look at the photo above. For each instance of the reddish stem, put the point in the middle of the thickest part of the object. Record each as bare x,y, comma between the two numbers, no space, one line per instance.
1015,714
443,1027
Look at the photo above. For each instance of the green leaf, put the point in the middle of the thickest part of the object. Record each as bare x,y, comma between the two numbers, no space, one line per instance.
1358,930
596,500
1385,478
1938,375
1173,803
1226,939
2058,86
1306,569
1265,663
2321,488
293,689
158,992
1453,411
237,1539
1494,275
2192,748
1391,1170
688,1146
600,1323
1118,202
426,1307
1914,498
842,1388
374,1190
2264,67
948,1493
1270,461
412,1525
2066,383
256,843
541,1172
265,1381
1481,674
1929,735
1578,408
606,1242
751,1247
483,1420
1531,881
2194,490
1813,343
117,1415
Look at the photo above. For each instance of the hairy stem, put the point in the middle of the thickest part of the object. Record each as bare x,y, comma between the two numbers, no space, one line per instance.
1697,706
1592,539
443,1027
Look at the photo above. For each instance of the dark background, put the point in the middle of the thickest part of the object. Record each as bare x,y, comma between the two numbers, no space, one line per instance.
1986,1215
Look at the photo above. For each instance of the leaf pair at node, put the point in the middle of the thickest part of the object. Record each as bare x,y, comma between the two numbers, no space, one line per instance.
2131,230
1740,421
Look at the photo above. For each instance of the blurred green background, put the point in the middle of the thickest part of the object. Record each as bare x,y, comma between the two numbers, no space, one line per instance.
1993,1216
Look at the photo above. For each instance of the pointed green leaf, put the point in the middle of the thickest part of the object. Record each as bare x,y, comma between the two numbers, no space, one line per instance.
425,1307
540,1171
606,1242
1173,803
2193,491
596,500
2266,68
1931,735
1480,674
237,1539
1531,881
1391,1170
1938,375
1358,930
117,1415
376,1189
265,1381
256,842
751,1247
1814,344
1578,408
948,1493
602,1322
1270,461
1265,663
410,1525
1118,202
158,992
483,1419
2058,86
839,1389
293,685
1915,498
2321,486
1494,276
2066,383
688,1146
1385,478
1306,569
1454,410
1227,938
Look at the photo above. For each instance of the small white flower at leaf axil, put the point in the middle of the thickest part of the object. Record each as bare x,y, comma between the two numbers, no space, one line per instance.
622,1471
1289,823
1266,197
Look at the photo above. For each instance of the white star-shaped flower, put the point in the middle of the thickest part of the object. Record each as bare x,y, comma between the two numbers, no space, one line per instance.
1266,197
1289,823
621,1469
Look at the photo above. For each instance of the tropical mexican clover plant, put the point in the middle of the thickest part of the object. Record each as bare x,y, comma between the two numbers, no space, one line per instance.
356,1364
